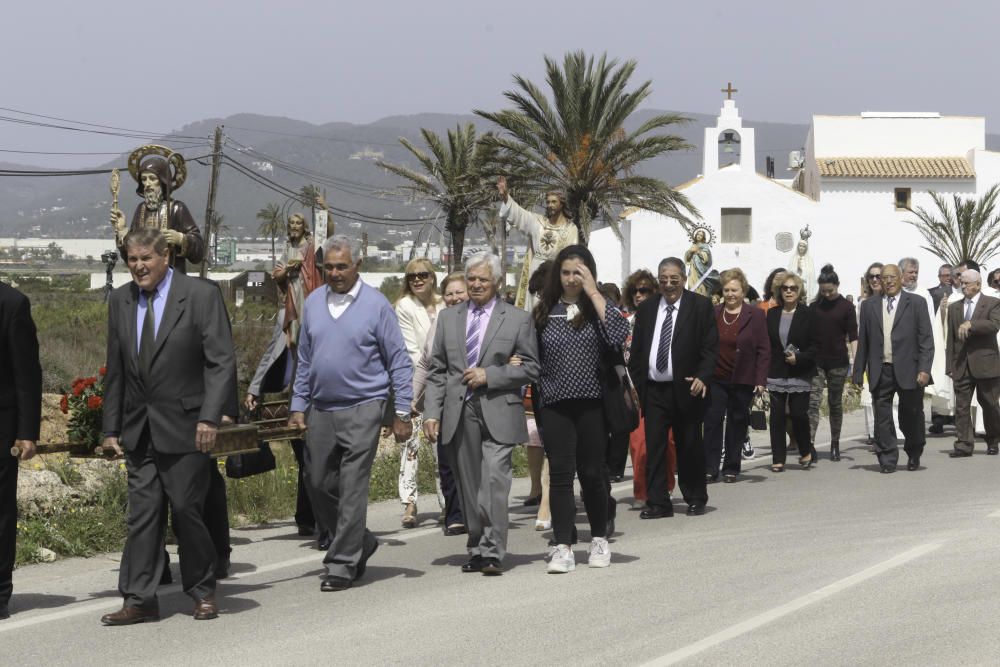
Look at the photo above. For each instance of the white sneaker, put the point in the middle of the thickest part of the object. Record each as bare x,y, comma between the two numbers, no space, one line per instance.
600,553
562,560
553,550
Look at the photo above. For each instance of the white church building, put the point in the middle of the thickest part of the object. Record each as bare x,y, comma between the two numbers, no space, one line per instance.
852,187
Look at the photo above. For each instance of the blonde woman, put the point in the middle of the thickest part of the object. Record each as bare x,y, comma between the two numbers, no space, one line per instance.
417,310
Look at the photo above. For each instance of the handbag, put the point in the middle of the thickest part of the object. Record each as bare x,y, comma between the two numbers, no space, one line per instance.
249,464
621,401
758,412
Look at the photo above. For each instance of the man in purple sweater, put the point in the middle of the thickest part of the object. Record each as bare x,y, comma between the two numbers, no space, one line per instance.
351,352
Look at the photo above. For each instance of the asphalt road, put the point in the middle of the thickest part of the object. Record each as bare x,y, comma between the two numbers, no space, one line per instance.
838,565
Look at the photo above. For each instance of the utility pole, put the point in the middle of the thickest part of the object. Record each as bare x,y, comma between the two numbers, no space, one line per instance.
212,187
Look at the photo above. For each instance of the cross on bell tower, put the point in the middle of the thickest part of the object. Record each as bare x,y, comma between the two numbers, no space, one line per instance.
729,90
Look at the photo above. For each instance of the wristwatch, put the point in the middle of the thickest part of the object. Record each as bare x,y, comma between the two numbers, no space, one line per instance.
403,417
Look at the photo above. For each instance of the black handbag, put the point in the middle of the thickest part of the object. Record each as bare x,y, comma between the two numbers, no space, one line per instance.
758,412
621,401
249,464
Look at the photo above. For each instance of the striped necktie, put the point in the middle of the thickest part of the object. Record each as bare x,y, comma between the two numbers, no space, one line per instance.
889,305
666,333
472,337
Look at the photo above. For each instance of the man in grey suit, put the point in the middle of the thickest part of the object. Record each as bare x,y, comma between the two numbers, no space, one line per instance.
896,348
973,363
473,401
171,376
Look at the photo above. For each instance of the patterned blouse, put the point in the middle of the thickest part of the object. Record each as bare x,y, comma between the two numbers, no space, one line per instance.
571,358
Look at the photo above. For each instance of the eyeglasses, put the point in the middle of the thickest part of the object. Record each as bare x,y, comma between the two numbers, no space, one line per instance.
789,288
670,281
874,276
419,275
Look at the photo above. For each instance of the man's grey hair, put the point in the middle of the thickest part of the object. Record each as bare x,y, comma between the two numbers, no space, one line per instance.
675,262
907,262
972,276
341,243
481,258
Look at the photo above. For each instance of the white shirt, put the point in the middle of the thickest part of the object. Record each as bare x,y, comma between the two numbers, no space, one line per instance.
338,303
661,314
965,304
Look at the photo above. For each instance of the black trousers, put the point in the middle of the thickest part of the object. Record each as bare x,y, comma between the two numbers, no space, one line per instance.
662,414
185,480
576,444
617,454
304,517
8,522
798,413
911,418
449,489
729,403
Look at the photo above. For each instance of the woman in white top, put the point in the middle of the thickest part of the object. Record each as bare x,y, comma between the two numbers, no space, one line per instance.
417,311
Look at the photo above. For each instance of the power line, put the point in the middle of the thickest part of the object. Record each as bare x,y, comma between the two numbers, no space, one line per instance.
146,137
80,122
70,172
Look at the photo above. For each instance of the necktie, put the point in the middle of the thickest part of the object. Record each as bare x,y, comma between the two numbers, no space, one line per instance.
968,309
148,339
889,304
472,337
666,332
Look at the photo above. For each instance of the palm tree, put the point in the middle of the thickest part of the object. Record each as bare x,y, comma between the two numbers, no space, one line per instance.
272,223
215,227
966,230
309,194
578,143
452,178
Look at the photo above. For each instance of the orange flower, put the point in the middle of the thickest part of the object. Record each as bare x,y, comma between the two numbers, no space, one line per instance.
77,389
64,404
102,371
94,402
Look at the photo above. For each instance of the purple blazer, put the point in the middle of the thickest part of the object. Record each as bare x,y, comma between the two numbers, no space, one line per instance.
753,347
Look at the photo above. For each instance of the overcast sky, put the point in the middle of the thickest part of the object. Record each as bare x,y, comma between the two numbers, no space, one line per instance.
159,65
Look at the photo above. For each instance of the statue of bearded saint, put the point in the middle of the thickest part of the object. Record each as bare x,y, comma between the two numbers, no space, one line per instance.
159,210
296,274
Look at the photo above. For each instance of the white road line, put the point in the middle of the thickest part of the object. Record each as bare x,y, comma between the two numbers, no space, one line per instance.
755,622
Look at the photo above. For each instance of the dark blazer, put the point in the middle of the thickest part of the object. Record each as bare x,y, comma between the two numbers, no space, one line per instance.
20,370
912,341
977,355
803,334
753,349
193,373
937,293
694,345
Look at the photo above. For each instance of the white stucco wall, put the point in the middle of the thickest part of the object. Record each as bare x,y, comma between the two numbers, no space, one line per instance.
897,136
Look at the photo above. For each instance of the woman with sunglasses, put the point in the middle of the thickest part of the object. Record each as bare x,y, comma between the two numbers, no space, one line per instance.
638,287
417,309
794,335
871,285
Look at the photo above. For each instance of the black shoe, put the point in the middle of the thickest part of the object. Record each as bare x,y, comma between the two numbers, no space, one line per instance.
617,478
993,451
366,553
958,454
729,479
475,564
222,567
456,529
711,479
696,510
4,612
656,512
324,542
887,469
532,501
936,429
913,463
835,452
332,584
492,567
305,531
609,529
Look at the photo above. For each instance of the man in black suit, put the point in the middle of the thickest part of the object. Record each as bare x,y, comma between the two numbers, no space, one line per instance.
944,287
674,349
897,362
171,377
20,417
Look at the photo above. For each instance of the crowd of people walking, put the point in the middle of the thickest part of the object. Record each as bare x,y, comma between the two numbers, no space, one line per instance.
453,364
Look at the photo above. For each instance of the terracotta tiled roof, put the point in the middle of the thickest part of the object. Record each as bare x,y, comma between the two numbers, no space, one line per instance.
895,167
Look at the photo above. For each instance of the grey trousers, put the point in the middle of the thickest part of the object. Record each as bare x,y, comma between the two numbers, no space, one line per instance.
483,472
184,479
339,453
988,392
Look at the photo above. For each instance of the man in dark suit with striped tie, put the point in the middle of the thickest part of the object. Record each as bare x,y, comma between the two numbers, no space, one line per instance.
674,350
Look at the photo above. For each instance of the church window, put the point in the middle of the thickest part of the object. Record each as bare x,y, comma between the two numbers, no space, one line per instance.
902,199
735,225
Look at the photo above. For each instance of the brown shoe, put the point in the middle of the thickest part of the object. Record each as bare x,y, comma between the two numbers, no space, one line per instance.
410,516
205,609
130,616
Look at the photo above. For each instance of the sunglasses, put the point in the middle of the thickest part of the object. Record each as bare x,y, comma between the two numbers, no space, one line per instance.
874,276
644,290
419,275
789,288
